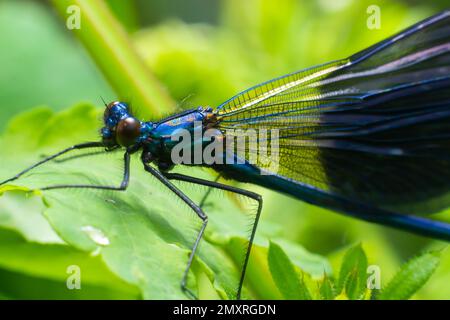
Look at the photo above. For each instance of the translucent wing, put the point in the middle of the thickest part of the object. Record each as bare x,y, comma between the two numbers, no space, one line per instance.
374,128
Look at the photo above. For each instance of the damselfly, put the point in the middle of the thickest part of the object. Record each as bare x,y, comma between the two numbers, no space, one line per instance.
367,136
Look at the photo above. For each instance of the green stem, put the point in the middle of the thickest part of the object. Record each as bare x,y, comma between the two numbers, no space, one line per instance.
110,47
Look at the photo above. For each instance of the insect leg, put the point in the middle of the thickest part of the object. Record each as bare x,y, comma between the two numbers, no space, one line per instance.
75,147
123,185
208,192
160,176
78,156
249,194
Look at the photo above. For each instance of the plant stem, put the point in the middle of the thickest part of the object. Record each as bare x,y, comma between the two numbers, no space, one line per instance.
110,47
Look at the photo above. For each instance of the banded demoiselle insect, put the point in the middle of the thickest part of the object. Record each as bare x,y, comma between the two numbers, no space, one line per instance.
367,136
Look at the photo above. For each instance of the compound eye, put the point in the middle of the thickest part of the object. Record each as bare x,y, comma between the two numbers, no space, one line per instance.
127,131
108,108
112,104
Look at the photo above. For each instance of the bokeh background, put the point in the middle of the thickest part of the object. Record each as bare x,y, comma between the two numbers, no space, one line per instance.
203,52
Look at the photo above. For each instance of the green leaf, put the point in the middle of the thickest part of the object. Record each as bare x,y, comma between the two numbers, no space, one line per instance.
313,264
16,285
327,291
26,218
50,263
437,287
411,277
285,276
352,285
352,275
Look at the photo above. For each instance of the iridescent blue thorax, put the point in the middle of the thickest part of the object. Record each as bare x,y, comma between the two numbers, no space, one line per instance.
161,138
184,120
123,129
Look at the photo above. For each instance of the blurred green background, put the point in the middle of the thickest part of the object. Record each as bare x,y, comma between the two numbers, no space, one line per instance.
203,52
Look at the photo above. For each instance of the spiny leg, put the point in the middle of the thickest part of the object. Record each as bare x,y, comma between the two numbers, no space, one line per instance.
84,155
123,185
160,176
75,147
252,195
208,192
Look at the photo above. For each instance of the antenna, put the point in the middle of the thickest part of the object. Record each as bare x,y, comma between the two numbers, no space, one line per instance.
104,102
